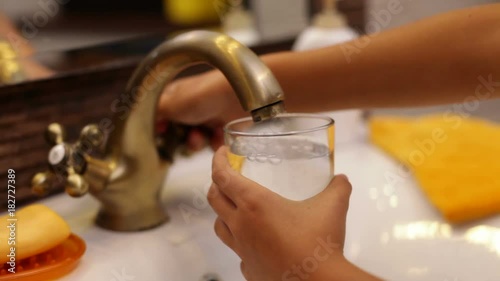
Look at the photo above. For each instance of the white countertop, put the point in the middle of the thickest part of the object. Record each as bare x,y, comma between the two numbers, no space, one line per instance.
392,230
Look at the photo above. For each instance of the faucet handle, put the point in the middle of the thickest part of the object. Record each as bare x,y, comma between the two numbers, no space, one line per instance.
67,162
43,183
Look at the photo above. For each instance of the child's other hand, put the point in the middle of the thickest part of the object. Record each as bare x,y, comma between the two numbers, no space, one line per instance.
276,238
204,100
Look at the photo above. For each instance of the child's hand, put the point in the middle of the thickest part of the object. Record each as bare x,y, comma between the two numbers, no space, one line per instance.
280,239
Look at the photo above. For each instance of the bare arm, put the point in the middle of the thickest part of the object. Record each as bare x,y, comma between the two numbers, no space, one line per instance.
434,61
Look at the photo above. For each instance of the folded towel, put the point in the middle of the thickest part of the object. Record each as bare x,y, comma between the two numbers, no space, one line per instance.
455,159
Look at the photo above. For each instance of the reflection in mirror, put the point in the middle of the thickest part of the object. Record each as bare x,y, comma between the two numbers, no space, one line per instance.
16,61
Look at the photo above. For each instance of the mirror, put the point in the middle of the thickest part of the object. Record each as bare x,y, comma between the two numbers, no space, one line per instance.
43,39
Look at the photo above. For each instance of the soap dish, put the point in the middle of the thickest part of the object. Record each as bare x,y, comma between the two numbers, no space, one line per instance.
49,265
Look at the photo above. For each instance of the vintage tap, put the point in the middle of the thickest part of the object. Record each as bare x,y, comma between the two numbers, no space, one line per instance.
123,169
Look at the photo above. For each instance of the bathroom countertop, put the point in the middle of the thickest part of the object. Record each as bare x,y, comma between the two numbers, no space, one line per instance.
392,230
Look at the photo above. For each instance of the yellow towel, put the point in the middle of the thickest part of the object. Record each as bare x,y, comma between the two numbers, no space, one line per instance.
455,159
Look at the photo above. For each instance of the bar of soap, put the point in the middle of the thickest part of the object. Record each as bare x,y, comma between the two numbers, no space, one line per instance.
37,229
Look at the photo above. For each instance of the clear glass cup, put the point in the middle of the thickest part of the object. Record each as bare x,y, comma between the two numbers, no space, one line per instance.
291,154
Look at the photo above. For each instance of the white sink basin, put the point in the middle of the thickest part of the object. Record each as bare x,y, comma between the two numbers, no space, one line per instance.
392,230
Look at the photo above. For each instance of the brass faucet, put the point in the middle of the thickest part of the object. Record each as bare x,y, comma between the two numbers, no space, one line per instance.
124,169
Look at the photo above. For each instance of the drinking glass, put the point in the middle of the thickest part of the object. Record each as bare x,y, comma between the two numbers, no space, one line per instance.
291,154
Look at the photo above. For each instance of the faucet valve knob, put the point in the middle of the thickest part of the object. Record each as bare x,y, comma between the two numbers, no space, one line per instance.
90,139
76,185
55,134
42,183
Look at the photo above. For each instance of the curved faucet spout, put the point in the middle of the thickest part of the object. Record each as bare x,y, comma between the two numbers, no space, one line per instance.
132,192
254,84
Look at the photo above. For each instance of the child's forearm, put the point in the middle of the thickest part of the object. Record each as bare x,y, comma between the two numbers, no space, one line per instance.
437,60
